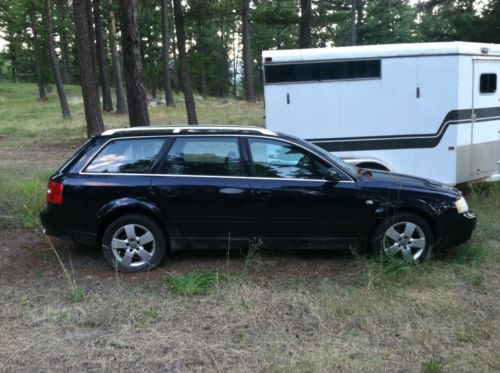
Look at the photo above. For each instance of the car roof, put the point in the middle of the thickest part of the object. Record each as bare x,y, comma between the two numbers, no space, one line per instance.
192,129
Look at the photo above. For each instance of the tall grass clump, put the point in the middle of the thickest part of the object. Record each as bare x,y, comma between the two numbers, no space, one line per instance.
394,273
195,283
432,366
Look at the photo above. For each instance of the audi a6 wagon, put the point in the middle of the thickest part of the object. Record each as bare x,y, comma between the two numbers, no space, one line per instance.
144,191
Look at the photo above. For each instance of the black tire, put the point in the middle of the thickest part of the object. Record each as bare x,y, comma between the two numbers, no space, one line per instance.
386,243
136,256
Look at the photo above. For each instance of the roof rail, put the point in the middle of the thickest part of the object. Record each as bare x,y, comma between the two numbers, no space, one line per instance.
192,128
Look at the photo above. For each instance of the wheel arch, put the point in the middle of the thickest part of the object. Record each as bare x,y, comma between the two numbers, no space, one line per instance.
115,213
373,166
371,163
407,210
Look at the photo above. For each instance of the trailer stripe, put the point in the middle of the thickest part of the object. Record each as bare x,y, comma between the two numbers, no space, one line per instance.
410,141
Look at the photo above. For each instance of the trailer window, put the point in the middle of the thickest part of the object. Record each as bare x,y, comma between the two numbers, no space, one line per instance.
488,83
318,71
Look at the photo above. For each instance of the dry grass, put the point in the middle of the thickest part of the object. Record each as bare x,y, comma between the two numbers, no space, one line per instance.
293,312
249,325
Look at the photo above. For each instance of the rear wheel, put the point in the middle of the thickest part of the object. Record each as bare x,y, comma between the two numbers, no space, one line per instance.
405,236
133,243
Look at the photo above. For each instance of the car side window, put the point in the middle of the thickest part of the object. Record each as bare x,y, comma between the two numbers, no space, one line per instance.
212,156
126,156
278,159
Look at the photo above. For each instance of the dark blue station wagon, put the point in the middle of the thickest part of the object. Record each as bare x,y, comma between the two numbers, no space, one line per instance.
140,192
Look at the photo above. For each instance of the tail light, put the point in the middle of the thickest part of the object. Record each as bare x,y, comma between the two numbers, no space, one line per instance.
55,192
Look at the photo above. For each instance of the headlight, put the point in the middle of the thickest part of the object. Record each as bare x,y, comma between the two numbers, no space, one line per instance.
461,205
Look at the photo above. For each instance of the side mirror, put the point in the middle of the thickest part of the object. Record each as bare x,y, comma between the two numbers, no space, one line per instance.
332,175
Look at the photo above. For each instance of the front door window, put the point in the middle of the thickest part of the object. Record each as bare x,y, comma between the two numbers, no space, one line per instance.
276,159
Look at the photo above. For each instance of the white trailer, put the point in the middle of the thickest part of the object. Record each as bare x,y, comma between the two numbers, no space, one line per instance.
427,109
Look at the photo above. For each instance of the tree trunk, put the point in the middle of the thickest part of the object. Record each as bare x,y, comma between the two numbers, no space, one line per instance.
53,60
184,80
134,77
121,103
90,29
354,30
61,10
90,92
305,24
167,85
247,52
107,102
36,51
359,22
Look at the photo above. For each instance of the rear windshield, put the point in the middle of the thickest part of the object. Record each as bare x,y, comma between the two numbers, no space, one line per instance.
126,156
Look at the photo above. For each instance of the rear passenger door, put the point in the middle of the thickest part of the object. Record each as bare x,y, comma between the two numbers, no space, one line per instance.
203,191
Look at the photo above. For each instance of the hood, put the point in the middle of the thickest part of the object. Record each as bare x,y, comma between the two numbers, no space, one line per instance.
395,180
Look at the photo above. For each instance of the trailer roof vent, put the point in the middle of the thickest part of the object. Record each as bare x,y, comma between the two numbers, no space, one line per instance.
484,50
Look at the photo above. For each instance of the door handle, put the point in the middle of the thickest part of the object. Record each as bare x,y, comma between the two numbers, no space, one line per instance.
263,194
231,191
168,192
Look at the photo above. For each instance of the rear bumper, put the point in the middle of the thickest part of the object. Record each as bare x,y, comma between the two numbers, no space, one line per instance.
55,224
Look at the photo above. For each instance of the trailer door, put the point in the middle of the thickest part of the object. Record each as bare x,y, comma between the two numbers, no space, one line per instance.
485,141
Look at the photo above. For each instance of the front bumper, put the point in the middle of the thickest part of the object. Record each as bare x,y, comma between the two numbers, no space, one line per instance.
458,229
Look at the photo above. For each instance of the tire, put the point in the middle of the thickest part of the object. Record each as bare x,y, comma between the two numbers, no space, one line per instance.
133,243
406,236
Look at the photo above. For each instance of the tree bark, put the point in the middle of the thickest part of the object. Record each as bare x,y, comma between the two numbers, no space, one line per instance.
247,52
90,92
61,10
185,80
121,103
134,77
53,60
36,51
107,102
305,24
167,85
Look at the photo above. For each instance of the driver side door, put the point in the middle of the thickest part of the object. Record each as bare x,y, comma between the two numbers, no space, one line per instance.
293,204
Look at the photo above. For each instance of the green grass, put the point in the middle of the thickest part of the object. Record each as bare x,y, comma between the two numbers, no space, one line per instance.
29,198
195,283
76,294
25,118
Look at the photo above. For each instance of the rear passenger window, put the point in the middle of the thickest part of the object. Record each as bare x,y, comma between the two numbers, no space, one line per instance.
134,156
213,156
488,83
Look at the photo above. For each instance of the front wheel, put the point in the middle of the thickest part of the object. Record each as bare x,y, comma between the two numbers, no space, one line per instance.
405,236
133,243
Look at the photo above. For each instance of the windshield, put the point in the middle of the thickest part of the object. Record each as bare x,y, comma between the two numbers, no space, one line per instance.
347,167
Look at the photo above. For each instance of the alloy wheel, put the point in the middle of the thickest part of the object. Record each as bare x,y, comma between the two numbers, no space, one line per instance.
133,245
404,239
